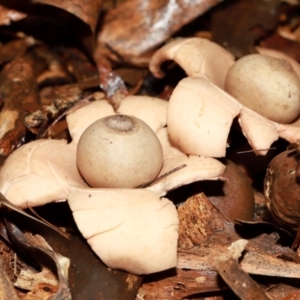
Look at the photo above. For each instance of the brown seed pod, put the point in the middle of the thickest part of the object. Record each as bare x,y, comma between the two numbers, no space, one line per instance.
282,188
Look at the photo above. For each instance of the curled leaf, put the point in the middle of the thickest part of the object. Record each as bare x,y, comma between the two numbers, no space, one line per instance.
87,11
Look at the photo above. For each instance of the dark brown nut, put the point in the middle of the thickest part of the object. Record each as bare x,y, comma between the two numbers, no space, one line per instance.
237,202
282,188
234,196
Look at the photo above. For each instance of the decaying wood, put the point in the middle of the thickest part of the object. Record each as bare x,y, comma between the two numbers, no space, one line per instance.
238,280
205,235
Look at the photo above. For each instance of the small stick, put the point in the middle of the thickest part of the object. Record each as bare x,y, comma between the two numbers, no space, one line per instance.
162,176
248,151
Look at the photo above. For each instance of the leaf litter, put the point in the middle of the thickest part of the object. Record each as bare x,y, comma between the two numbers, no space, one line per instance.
207,238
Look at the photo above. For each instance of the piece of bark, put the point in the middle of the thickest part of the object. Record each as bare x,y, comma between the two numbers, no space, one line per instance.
238,280
191,231
19,97
137,26
239,24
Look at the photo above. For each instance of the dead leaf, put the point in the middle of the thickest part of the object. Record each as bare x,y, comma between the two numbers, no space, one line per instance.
64,97
44,255
87,11
6,288
80,66
18,96
8,15
239,24
15,48
132,32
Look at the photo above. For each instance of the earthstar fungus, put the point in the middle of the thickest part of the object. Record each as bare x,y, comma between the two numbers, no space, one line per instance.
127,215
200,110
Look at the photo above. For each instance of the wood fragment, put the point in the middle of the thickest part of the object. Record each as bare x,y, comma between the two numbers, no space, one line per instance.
204,235
238,280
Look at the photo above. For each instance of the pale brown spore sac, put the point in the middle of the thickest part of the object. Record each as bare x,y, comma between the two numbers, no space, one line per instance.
266,85
119,151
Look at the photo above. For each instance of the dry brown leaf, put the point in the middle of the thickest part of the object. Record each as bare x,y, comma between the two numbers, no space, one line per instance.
15,48
132,32
86,10
240,24
18,97
8,15
6,287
